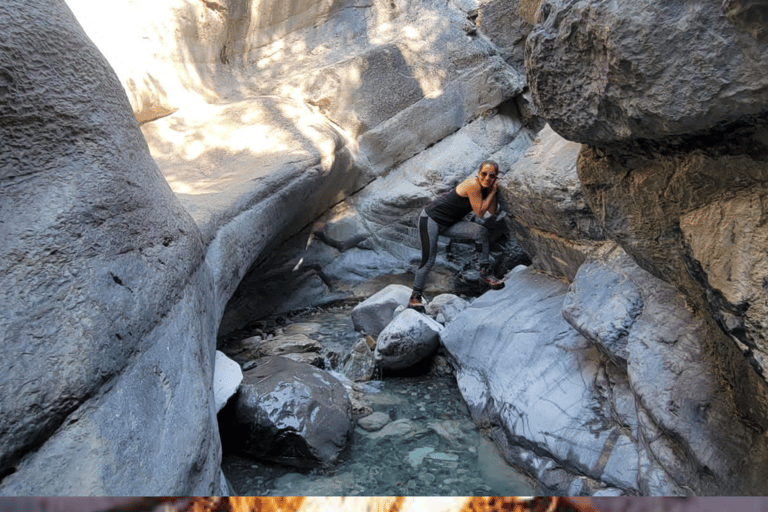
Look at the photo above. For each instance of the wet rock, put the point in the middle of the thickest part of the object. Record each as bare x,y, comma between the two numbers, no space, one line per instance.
288,412
408,339
373,314
602,72
313,358
403,429
374,421
445,307
227,376
254,347
359,364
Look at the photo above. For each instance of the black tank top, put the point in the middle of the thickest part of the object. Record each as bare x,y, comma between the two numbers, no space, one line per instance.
449,208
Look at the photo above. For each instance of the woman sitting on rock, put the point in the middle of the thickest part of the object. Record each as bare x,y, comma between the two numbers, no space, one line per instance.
444,215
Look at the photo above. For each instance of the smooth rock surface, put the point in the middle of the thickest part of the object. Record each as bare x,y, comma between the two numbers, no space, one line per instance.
408,339
602,71
102,274
288,412
548,214
376,312
445,307
678,374
227,377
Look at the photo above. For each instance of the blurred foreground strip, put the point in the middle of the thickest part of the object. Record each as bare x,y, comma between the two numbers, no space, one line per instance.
297,504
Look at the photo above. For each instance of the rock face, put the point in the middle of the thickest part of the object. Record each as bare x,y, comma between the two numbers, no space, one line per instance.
695,220
549,215
602,72
102,277
290,413
662,425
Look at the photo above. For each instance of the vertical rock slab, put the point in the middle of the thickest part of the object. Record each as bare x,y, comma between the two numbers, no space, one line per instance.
107,355
549,216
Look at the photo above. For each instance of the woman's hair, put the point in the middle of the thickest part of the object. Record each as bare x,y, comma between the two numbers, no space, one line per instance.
490,162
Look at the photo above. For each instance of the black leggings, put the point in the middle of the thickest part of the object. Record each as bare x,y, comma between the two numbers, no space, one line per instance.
429,230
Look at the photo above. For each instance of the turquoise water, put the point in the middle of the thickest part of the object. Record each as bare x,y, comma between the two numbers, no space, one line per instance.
429,447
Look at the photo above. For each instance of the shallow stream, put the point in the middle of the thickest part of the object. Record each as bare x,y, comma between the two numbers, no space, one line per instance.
429,447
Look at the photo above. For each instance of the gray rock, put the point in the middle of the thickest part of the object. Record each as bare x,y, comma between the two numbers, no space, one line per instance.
548,214
359,364
674,376
601,71
520,366
374,421
290,413
102,274
603,305
408,339
446,306
376,312
695,221
227,376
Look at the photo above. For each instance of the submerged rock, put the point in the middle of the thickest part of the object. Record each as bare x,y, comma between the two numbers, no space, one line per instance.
408,339
288,412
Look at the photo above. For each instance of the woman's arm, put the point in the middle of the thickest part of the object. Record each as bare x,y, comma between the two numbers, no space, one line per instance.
475,193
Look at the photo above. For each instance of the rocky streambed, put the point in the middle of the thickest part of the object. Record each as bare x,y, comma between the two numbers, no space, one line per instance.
413,433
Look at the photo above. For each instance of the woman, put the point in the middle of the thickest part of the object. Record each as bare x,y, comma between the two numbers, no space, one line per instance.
444,215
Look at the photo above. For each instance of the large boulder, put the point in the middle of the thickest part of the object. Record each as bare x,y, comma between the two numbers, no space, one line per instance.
667,425
107,353
408,339
288,412
603,71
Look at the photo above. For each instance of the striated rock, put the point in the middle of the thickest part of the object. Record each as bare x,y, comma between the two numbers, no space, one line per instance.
603,304
359,364
523,370
408,339
695,220
676,417
602,71
227,376
101,272
376,312
678,366
288,412
549,216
